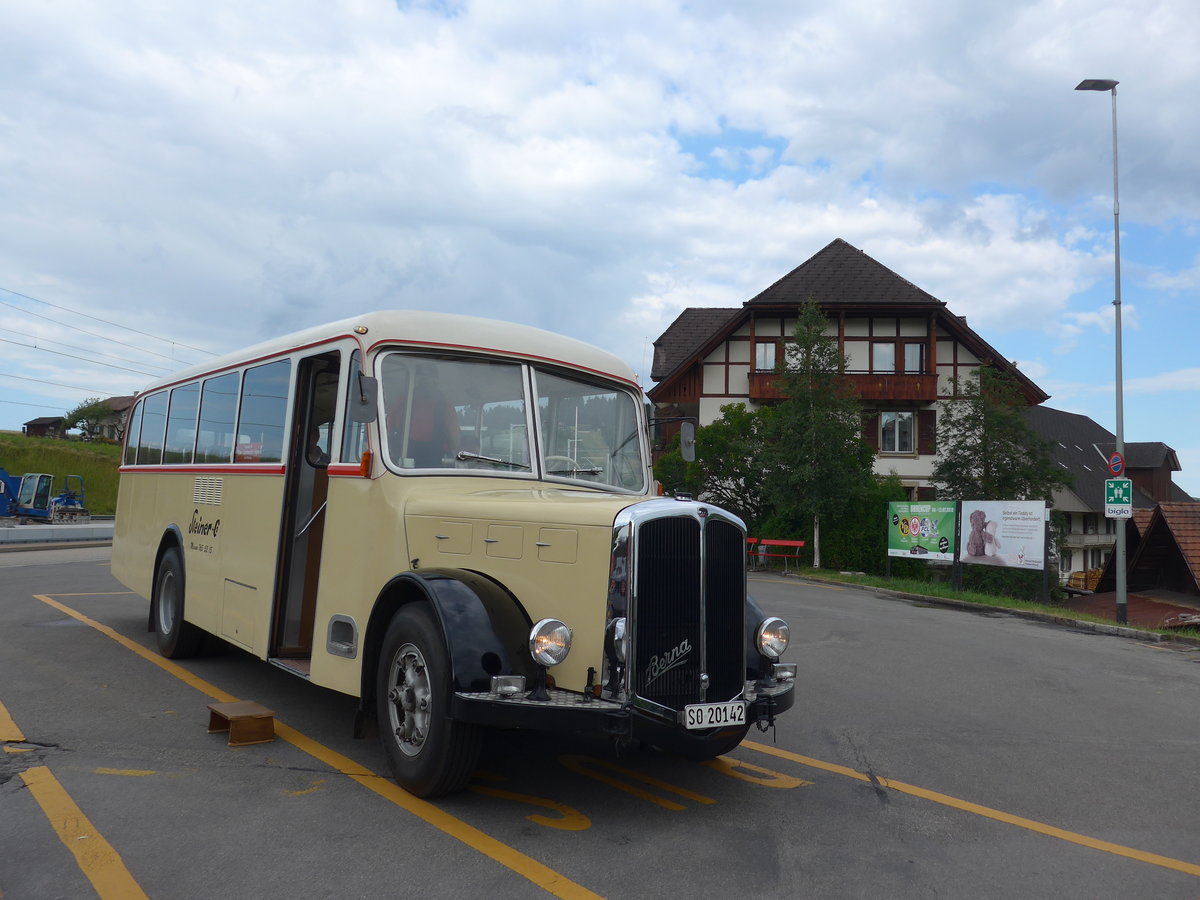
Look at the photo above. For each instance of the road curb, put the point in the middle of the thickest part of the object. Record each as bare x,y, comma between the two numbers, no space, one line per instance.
52,545
1052,618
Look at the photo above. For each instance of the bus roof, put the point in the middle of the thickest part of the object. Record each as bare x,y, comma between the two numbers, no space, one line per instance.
434,330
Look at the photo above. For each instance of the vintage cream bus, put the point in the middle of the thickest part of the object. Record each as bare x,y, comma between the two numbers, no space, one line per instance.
454,520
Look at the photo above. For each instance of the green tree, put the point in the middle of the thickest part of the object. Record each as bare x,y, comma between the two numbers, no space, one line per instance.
87,417
729,466
988,451
815,460
986,448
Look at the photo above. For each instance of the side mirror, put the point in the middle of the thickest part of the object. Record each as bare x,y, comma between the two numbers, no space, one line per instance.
364,399
687,441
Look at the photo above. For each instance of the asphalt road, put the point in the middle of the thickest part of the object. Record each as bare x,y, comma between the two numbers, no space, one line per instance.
933,753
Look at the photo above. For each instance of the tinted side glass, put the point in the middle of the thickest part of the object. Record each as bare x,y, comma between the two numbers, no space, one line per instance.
181,424
218,414
154,424
264,410
133,432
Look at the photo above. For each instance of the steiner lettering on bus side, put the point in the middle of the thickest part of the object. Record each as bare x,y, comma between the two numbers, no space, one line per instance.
203,529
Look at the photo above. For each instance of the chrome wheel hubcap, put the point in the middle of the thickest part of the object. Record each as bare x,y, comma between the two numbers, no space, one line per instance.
409,699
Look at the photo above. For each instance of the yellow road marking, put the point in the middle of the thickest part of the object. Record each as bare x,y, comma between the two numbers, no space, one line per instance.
1083,840
132,772
727,765
569,819
581,764
8,728
311,789
94,855
98,594
525,866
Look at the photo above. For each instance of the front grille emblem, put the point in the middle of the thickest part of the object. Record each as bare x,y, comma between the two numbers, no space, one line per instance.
672,659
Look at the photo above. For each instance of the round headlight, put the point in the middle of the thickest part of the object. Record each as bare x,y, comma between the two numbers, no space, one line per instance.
772,637
549,642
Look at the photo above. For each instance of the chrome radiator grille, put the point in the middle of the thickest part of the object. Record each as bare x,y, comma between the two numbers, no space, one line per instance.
688,611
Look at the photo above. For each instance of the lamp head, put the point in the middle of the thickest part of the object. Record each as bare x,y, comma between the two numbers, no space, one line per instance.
1096,84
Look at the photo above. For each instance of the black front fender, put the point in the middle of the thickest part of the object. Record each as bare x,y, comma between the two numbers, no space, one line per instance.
486,629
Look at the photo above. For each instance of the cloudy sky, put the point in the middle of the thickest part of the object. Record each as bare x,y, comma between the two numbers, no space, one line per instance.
209,175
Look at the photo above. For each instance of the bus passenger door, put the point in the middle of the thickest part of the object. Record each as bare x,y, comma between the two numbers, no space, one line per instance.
303,525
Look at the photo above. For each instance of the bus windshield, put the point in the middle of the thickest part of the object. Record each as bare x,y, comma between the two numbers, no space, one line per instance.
589,432
460,413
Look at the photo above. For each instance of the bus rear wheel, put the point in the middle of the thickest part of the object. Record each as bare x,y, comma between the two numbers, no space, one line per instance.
177,639
428,753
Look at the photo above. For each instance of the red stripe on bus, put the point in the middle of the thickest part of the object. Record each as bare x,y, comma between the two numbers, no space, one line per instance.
231,469
512,354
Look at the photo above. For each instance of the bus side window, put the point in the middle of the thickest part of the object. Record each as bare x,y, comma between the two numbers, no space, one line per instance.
154,424
264,410
218,411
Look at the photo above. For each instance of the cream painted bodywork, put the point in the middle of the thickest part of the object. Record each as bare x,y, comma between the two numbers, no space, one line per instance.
548,544
229,549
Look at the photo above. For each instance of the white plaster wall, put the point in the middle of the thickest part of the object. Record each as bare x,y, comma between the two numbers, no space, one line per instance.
905,466
714,379
710,408
884,327
856,327
739,379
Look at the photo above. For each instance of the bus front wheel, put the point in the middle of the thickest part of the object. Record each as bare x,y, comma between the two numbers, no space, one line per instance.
428,753
177,639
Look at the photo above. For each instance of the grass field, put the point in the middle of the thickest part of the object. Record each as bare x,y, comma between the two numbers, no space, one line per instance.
95,463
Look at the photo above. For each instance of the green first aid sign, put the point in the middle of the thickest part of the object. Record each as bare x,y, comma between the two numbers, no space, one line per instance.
922,530
1118,498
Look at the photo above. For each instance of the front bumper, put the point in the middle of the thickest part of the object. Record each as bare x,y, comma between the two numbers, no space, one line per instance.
571,711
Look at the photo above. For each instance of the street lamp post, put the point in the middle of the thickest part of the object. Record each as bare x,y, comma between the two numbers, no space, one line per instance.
1107,84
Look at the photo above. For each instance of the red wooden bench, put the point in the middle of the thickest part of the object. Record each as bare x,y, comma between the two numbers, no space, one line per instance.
764,548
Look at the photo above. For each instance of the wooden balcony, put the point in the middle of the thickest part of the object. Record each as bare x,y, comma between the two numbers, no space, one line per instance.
871,388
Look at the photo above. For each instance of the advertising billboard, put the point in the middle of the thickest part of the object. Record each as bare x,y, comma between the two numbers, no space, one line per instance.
1003,533
921,530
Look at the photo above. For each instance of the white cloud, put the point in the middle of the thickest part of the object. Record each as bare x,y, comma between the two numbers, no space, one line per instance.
230,171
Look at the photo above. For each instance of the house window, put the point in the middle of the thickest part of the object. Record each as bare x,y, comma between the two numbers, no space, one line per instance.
896,431
764,356
914,358
883,357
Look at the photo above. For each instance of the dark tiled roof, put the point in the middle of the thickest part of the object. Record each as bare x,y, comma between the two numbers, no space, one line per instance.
1144,454
693,327
45,420
839,275
1082,447
843,274
1073,445
120,404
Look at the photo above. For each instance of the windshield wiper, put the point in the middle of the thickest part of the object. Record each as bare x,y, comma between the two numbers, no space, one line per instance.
595,470
628,438
466,456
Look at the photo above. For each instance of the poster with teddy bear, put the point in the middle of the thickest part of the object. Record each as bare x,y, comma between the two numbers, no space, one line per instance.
1003,533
